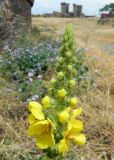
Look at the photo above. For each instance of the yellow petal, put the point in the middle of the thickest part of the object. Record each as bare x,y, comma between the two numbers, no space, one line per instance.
34,104
44,142
37,128
31,119
74,127
76,112
63,146
44,134
80,139
52,125
38,114
36,110
34,129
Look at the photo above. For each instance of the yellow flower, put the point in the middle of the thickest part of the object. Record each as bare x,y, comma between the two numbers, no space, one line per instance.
74,127
73,102
73,132
46,101
72,83
36,110
62,93
63,146
31,119
63,116
76,112
80,139
43,132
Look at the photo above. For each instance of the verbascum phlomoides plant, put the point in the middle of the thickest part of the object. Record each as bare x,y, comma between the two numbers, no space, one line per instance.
55,122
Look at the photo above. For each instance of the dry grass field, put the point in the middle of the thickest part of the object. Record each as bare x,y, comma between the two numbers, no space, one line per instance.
98,102
88,32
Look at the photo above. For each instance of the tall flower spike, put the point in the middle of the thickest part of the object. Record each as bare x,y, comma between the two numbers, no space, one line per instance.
60,106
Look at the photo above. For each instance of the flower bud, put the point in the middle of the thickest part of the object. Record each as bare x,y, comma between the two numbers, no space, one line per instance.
66,45
77,112
63,116
72,83
73,102
60,60
80,139
65,38
74,72
60,75
62,93
69,54
70,68
46,101
52,81
74,59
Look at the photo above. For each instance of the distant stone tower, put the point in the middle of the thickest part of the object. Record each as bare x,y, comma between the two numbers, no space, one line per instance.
77,10
64,9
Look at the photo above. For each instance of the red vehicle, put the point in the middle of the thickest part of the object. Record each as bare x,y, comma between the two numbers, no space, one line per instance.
107,15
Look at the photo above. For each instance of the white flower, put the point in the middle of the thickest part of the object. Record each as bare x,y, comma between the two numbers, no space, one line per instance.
30,74
40,76
30,80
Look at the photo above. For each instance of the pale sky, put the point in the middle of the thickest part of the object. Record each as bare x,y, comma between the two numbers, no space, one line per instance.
90,7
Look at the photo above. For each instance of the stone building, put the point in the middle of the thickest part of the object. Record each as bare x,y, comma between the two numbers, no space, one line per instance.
77,10
15,16
64,9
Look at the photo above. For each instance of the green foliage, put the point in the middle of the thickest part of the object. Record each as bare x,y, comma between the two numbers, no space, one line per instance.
35,90
101,21
23,41
113,24
24,65
35,31
83,77
25,58
108,7
81,68
27,156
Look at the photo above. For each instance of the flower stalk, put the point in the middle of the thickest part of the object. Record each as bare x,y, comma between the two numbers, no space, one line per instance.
55,123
